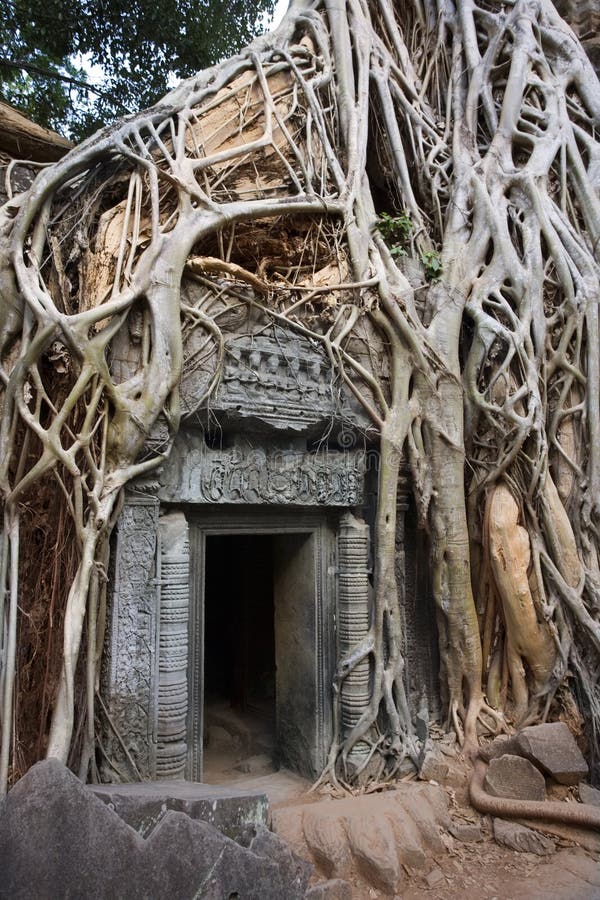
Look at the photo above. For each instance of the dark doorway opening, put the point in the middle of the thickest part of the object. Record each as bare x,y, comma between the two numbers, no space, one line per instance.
239,657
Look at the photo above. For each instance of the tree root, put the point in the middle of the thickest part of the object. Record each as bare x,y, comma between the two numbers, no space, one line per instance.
581,814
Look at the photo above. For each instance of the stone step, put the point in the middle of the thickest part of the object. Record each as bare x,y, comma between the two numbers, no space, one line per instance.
142,805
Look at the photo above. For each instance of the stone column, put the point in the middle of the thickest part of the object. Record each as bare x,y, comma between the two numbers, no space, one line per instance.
353,622
174,579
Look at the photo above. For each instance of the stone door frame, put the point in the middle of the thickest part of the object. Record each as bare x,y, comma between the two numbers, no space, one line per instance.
244,520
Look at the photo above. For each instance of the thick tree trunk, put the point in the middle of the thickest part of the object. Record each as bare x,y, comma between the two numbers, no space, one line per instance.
460,647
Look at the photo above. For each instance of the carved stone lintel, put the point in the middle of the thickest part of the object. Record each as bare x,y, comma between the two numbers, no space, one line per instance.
128,680
353,621
171,750
196,473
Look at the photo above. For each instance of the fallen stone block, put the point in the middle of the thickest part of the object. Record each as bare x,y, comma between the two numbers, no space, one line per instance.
435,877
373,847
466,832
553,749
409,842
518,837
449,745
427,809
588,794
515,778
501,745
293,871
326,839
192,859
433,767
54,832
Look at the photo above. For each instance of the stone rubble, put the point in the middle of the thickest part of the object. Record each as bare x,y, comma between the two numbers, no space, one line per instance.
433,767
374,837
525,840
378,838
502,744
552,748
57,839
588,794
466,832
516,778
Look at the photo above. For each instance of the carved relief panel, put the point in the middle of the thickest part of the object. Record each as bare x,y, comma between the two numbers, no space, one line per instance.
275,379
195,473
129,738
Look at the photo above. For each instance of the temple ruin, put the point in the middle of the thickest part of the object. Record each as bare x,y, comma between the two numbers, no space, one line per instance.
242,571
292,364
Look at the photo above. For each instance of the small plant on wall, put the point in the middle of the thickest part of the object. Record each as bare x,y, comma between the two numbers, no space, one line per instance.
396,231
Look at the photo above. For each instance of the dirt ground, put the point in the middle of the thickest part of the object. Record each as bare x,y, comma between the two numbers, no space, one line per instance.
486,871
489,872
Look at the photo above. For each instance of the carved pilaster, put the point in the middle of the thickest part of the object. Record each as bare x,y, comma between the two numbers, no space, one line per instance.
129,667
405,590
402,498
171,750
353,620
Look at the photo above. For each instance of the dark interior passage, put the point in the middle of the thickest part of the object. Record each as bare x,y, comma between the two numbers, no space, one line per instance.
239,652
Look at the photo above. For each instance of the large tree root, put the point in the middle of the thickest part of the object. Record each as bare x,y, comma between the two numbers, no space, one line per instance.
581,814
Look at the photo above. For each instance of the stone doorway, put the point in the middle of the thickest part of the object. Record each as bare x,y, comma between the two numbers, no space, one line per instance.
261,626
239,655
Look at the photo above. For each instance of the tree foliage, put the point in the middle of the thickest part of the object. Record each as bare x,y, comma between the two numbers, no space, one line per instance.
464,135
139,47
